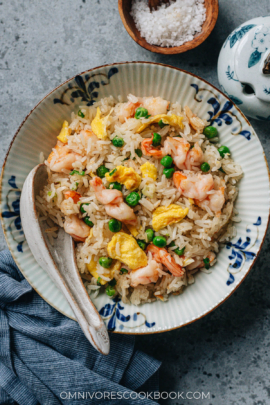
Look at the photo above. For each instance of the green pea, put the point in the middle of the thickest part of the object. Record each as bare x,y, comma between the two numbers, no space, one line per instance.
138,152
82,209
141,243
81,114
110,291
101,171
206,263
115,186
149,234
156,139
160,241
132,199
114,225
210,132
141,112
167,161
118,142
88,221
123,271
169,172
161,124
223,150
180,252
205,167
105,262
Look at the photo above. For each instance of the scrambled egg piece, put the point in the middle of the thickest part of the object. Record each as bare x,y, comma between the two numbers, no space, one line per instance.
64,133
98,125
132,229
130,252
126,176
92,268
149,170
164,216
173,120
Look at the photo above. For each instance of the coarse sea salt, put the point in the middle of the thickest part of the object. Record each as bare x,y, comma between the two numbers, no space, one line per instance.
171,25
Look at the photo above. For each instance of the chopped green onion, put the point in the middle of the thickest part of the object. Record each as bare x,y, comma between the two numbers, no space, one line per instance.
138,152
161,124
111,173
112,282
141,243
49,193
77,172
74,188
88,221
180,252
123,271
98,281
206,263
82,209
81,114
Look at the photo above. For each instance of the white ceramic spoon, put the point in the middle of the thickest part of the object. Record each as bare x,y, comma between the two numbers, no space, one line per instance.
59,262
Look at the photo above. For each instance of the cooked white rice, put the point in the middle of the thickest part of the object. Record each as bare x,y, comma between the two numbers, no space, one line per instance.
200,232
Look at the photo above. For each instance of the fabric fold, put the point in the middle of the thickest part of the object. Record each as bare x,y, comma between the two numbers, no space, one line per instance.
46,359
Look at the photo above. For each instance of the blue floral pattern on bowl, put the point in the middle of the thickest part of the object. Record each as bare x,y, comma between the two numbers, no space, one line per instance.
222,115
111,313
12,210
240,252
85,88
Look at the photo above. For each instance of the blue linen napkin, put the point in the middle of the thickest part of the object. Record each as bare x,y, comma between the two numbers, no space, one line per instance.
45,358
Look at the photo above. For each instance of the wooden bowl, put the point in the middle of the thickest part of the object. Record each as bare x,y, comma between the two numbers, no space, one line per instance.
124,7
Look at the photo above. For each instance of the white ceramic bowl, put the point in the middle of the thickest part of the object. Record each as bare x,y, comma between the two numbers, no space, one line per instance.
38,133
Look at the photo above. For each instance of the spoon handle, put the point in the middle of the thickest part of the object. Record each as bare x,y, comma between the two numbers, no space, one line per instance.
60,264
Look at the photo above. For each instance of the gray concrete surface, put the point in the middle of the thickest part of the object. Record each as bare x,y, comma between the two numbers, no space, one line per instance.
43,44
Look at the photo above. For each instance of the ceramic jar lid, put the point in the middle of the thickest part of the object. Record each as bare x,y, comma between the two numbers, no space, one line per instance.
244,67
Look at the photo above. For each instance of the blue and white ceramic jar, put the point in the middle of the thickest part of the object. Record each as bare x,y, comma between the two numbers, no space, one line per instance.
244,67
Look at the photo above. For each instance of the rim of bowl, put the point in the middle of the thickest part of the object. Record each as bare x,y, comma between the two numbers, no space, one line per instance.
187,46
72,78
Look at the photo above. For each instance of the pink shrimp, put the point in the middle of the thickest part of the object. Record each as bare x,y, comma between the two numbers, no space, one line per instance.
127,110
194,186
146,275
178,148
155,105
149,150
76,227
113,202
214,201
194,158
161,255
62,158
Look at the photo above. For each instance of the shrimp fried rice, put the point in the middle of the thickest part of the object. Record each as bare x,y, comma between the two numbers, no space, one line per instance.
146,191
